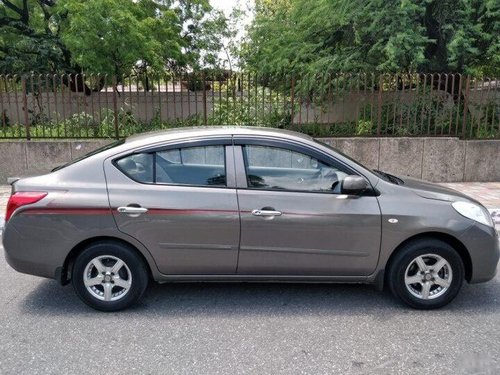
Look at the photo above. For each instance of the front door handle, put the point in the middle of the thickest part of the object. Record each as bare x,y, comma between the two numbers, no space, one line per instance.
132,211
266,213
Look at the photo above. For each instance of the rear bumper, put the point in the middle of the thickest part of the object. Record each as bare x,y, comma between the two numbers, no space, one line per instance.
31,268
27,257
483,245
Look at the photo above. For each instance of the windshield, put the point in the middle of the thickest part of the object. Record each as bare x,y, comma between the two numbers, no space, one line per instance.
94,152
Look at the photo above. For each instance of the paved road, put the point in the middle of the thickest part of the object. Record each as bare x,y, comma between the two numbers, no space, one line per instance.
4,197
245,329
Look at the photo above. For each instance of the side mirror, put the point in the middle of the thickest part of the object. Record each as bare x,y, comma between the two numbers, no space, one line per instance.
354,185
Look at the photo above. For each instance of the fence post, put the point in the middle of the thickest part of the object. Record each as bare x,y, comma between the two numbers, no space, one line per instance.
25,105
466,107
292,100
115,108
205,120
379,104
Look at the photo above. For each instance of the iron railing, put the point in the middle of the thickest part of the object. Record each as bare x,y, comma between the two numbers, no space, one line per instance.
101,106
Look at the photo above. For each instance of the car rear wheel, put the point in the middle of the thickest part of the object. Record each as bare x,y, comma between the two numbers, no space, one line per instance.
109,276
426,274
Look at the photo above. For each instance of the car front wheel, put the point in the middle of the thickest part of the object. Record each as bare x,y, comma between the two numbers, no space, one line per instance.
109,276
426,274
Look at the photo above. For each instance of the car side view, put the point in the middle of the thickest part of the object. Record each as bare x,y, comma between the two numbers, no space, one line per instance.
242,204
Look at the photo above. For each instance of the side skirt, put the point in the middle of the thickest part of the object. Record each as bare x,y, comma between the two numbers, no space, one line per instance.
266,278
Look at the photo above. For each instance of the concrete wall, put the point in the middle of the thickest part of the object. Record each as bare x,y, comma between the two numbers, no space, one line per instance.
433,159
29,158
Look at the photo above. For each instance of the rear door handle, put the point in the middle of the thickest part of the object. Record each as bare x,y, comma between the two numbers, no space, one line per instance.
266,213
132,211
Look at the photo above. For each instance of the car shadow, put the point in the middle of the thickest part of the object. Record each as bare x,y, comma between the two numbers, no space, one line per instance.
254,299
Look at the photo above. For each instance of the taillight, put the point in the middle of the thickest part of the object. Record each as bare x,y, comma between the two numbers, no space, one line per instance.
22,198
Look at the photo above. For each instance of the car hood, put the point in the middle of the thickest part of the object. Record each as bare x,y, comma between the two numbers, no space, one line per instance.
429,190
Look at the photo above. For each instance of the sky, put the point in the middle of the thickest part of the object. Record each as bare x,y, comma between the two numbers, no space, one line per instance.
227,6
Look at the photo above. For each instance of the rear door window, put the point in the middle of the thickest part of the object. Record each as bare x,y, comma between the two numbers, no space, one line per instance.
197,166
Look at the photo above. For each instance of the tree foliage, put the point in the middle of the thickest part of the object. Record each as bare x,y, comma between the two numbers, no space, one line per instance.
28,38
111,36
374,35
107,36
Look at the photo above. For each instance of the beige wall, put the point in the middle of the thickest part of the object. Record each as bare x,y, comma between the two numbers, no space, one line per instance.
181,105
144,106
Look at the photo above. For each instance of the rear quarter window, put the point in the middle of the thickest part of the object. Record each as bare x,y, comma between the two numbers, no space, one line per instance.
138,167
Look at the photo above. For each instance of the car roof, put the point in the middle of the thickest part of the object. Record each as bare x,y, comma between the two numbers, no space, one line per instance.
145,140
201,131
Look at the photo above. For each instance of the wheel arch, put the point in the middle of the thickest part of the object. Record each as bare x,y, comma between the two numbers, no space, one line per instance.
63,274
447,238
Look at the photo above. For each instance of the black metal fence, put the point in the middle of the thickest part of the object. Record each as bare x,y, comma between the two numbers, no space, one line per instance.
101,106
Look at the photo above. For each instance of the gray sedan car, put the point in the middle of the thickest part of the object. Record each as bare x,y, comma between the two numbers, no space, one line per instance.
242,204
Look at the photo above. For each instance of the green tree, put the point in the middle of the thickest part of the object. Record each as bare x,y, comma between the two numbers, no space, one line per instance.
107,36
374,36
203,30
29,39
111,36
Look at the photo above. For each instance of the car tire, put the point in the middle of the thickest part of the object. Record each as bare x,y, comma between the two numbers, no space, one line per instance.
426,274
109,276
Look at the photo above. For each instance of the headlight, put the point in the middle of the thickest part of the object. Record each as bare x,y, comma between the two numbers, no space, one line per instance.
474,212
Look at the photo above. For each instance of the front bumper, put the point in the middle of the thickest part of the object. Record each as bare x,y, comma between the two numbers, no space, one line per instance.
483,245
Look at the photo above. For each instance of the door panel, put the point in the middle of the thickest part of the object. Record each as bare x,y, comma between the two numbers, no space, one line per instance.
316,234
315,231
189,230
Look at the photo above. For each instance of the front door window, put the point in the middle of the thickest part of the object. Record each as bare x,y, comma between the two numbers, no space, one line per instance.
273,168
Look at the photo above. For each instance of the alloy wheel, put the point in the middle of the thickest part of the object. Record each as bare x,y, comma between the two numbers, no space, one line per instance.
428,276
107,278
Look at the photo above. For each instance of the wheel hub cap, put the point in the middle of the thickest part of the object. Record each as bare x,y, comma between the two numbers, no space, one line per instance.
428,276
107,278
